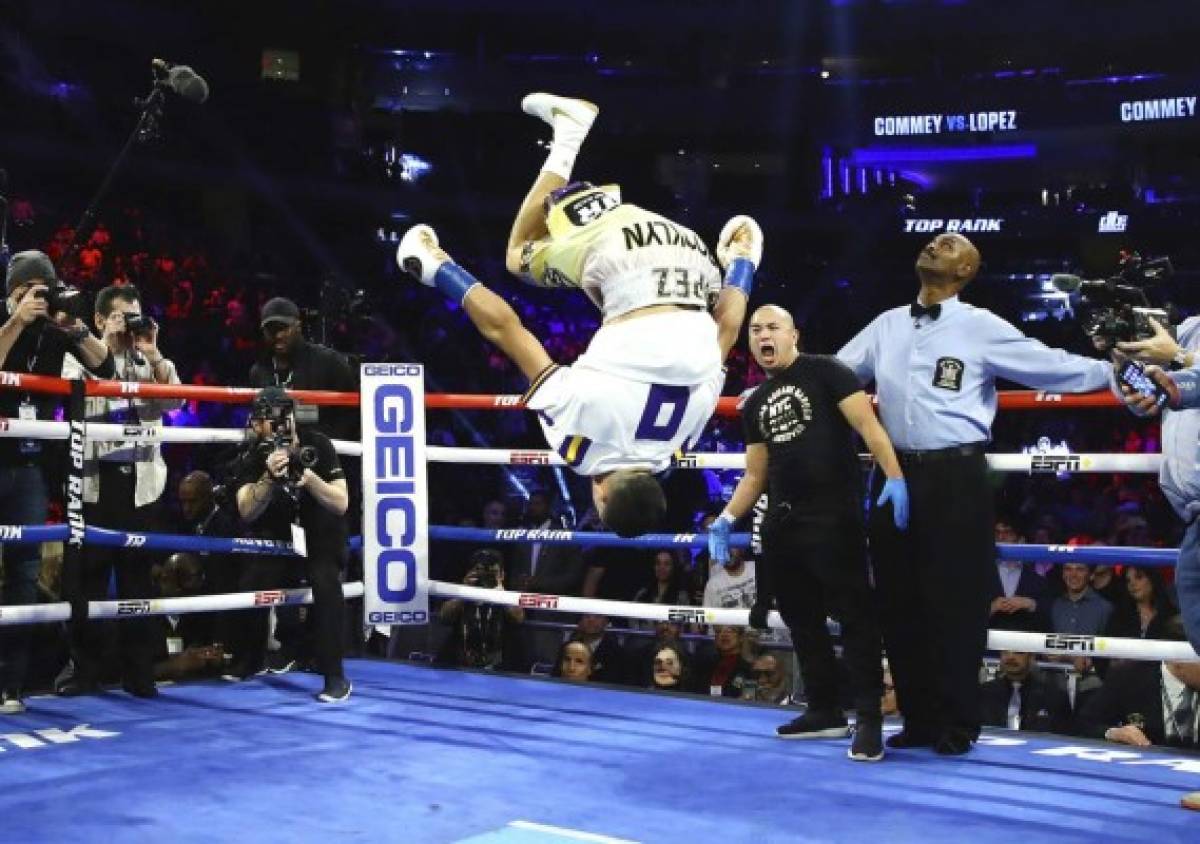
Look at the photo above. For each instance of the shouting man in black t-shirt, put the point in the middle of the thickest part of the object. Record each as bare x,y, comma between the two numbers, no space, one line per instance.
291,486
799,448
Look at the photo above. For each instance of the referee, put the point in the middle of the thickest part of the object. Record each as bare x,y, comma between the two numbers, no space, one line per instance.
935,364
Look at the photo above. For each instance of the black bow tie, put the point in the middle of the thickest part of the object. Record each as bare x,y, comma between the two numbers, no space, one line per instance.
918,310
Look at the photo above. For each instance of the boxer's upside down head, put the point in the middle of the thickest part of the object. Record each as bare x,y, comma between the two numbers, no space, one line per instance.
630,501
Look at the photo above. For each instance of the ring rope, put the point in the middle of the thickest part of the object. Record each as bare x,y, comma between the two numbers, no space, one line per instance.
130,607
727,406
1093,554
1041,463
1044,643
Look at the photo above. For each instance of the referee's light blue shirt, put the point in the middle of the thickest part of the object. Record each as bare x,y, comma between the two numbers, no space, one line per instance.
936,379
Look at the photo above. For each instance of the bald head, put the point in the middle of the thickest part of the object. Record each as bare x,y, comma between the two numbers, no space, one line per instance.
774,340
949,260
774,312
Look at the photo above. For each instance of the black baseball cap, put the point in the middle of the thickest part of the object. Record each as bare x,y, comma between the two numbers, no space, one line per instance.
271,402
28,265
279,309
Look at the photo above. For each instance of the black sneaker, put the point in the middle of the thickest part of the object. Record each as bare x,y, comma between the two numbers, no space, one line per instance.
868,741
76,686
912,736
280,663
812,725
140,688
953,742
337,689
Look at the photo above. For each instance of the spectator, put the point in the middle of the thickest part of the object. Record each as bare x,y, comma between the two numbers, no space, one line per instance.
641,657
1020,698
482,635
772,678
1145,703
724,670
542,567
203,516
667,582
668,668
183,644
1146,613
1018,592
1079,610
887,703
576,663
731,585
1108,585
608,660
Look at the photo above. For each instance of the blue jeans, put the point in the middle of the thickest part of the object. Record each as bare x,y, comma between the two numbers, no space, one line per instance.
22,502
1187,582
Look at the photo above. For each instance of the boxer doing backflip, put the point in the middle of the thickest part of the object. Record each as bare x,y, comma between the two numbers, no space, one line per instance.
652,374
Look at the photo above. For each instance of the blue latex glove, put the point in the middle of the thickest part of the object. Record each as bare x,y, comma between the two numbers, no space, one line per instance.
895,490
718,539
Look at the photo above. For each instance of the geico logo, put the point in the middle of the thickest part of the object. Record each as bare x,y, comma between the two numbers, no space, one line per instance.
686,616
133,608
391,369
396,516
403,617
272,596
524,458
534,535
1061,642
538,601
1055,463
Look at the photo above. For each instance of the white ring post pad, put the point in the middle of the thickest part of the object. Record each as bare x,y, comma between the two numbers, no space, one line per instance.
395,503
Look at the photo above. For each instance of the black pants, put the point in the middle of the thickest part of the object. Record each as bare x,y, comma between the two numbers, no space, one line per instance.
135,634
932,587
322,570
815,565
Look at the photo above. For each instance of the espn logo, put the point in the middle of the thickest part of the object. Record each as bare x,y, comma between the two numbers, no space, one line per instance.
269,597
538,602
1055,463
687,615
529,458
133,608
1072,644
686,461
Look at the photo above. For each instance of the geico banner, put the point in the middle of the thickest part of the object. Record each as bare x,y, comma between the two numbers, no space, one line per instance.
395,507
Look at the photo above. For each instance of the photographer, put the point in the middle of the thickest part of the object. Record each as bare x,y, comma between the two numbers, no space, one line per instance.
481,635
1178,475
291,486
123,482
35,337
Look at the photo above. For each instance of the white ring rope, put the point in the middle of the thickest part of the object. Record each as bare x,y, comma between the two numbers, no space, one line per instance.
108,432
130,607
1039,643
1028,463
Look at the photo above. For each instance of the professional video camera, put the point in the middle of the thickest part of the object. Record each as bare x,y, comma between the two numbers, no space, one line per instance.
1117,308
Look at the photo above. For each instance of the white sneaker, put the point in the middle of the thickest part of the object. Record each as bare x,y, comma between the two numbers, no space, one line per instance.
741,237
419,254
569,117
11,705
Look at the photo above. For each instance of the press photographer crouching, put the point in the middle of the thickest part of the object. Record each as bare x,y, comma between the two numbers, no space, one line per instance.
42,325
123,483
290,486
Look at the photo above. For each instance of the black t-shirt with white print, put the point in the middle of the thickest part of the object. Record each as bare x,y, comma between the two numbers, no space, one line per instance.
811,459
